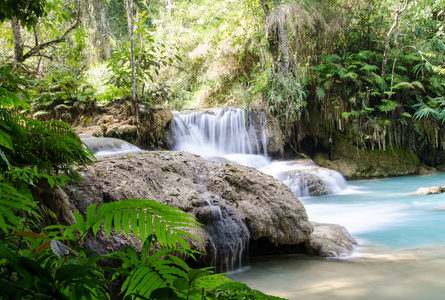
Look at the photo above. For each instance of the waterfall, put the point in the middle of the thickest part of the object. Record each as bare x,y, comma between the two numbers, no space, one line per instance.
220,132
229,236
232,134
237,135
108,146
305,178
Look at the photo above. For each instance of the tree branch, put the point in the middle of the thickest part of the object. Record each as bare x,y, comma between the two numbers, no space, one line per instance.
390,33
36,49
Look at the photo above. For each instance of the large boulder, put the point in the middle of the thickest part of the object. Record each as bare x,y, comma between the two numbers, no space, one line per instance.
152,127
234,203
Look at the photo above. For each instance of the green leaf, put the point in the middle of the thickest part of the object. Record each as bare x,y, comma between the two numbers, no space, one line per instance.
107,224
126,222
117,221
194,274
181,284
80,222
134,221
5,140
142,227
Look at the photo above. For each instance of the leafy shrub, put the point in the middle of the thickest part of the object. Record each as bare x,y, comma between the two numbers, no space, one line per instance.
61,96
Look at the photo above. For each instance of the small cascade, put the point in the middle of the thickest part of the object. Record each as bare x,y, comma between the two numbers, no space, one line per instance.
229,236
108,146
305,178
234,135
220,132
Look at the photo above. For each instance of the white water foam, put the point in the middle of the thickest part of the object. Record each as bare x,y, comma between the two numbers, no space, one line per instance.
108,146
232,134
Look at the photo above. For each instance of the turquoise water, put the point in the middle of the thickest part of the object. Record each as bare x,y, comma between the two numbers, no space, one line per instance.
385,211
401,252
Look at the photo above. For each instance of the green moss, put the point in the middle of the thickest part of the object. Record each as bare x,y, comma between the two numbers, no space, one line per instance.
233,169
88,121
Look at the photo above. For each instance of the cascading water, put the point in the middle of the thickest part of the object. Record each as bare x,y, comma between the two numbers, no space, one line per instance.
228,235
236,135
108,146
219,132
305,178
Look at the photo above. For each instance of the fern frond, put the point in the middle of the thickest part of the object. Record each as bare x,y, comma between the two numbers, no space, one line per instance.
403,85
388,106
368,68
11,203
143,217
351,75
381,83
332,58
418,85
364,55
425,111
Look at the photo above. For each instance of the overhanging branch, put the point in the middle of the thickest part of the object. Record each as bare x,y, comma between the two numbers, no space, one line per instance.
36,49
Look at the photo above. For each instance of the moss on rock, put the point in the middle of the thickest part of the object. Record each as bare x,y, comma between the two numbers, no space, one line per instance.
355,163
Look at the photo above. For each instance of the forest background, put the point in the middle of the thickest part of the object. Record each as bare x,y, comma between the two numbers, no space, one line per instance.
371,73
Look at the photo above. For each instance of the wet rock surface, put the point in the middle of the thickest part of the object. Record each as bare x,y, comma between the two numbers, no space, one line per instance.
239,203
354,163
430,190
330,240
152,127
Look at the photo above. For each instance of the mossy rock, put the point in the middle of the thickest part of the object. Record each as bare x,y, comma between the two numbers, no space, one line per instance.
355,163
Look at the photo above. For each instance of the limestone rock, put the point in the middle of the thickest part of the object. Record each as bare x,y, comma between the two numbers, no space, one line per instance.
330,240
355,163
155,125
430,190
243,202
315,185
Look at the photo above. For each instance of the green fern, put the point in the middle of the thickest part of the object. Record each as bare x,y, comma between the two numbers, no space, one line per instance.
368,69
388,106
319,91
12,202
138,215
425,111
332,58
51,146
381,83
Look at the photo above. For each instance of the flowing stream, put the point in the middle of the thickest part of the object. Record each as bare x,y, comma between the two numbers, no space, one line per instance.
401,252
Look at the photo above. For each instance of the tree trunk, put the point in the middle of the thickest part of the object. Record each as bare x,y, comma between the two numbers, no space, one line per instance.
389,35
17,40
132,61
283,48
105,33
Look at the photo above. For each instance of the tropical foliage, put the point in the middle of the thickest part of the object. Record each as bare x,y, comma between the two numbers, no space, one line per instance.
50,262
